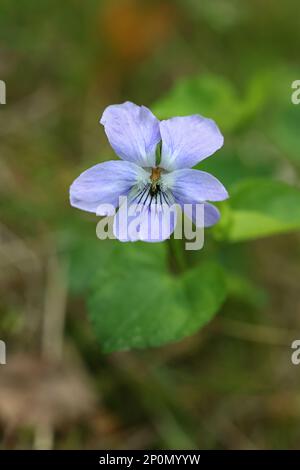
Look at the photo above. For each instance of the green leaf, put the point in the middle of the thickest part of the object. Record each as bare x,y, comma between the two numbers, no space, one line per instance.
138,303
231,169
285,132
281,122
259,208
214,97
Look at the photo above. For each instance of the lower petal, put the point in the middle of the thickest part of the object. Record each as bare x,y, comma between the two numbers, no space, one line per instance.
152,223
158,223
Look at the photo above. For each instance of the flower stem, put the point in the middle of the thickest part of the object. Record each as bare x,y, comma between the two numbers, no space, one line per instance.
177,261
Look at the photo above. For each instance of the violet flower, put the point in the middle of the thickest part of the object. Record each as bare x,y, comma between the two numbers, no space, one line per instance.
134,133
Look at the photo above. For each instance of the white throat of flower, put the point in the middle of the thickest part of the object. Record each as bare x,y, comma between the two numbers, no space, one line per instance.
153,187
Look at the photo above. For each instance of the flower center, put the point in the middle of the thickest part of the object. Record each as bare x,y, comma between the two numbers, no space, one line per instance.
152,190
154,178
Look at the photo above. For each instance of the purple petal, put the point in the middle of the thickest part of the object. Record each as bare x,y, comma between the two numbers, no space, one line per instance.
151,223
133,132
211,214
158,223
188,140
122,220
103,184
190,186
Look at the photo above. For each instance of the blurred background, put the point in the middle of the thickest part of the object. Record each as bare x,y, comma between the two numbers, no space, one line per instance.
231,385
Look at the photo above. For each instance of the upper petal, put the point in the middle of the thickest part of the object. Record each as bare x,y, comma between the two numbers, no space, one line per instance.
133,132
190,186
188,140
104,183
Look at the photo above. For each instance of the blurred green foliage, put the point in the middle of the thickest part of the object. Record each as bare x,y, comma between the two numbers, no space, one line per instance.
230,385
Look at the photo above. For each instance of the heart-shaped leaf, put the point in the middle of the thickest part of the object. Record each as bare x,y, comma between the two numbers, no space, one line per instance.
138,303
